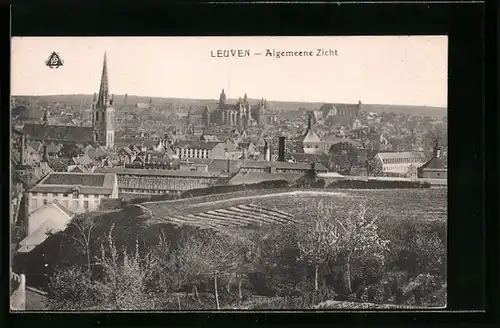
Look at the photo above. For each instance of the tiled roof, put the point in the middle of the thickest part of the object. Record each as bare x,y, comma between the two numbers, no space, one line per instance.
396,155
59,163
53,148
304,157
43,132
126,150
434,163
63,208
96,152
90,180
254,177
255,164
211,137
82,160
87,183
292,176
80,169
163,173
333,139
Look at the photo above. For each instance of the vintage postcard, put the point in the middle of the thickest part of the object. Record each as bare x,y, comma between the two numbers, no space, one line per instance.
228,173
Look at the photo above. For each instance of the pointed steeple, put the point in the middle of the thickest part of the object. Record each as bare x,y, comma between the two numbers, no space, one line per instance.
104,88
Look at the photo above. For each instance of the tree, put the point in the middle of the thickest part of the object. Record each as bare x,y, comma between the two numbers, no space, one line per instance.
123,283
84,227
358,238
437,134
374,167
70,150
71,288
370,148
331,236
224,253
345,155
318,239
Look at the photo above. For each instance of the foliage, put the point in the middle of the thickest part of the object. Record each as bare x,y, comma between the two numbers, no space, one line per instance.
72,289
345,156
347,245
69,150
123,282
84,226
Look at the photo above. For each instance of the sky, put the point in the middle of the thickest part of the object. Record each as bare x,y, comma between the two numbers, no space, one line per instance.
397,70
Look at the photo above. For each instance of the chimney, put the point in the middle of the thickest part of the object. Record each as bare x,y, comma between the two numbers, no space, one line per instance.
22,150
281,149
228,165
437,150
45,157
268,152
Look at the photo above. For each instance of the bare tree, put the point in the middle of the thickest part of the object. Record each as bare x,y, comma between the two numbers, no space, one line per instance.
370,148
224,253
345,156
84,226
333,236
123,285
358,237
318,239
186,264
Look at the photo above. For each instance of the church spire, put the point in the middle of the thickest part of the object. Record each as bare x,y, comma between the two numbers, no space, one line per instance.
104,88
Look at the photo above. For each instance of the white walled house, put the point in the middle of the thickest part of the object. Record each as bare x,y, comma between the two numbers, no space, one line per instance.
78,192
401,163
52,217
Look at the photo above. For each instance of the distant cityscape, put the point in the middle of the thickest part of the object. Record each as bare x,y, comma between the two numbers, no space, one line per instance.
71,155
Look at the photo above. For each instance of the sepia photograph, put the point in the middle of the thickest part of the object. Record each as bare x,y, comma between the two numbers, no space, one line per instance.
228,173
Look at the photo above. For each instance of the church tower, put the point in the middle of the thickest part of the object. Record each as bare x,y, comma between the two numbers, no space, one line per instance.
103,113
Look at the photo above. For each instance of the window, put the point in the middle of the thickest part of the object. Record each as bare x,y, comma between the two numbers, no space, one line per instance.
45,202
86,204
44,194
35,194
34,203
75,204
97,116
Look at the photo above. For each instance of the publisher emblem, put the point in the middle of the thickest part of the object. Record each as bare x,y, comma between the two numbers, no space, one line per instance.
54,60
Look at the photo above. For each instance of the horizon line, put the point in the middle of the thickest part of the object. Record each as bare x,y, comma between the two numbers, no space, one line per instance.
216,100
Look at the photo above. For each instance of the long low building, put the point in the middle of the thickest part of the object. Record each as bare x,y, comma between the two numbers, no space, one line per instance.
401,163
150,181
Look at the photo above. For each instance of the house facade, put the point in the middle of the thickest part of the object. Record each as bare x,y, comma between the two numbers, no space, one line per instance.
200,149
435,168
401,163
78,192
